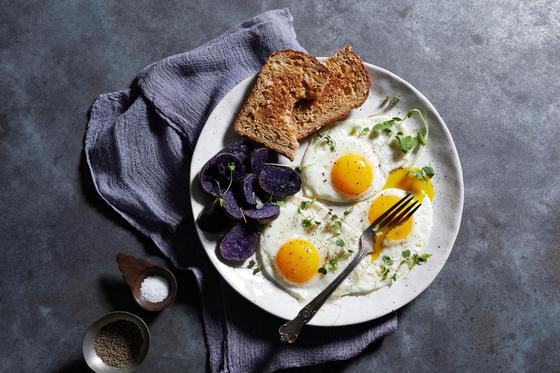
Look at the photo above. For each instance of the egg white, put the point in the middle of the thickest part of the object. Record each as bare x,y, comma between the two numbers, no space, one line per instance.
288,227
368,275
380,149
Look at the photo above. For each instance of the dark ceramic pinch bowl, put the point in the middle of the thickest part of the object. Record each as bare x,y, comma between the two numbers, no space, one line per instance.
154,271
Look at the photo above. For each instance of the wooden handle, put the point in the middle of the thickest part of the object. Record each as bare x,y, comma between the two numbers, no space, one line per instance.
131,266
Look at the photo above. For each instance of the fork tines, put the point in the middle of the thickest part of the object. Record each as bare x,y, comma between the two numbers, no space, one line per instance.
398,213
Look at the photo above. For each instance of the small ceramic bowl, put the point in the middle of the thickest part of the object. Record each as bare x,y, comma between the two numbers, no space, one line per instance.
157,271
95,362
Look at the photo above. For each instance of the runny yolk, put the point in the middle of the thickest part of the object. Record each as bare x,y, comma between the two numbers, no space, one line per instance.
377,208
401,178
297,261
351,174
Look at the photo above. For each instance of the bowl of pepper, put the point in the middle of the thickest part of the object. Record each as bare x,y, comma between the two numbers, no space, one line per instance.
116,343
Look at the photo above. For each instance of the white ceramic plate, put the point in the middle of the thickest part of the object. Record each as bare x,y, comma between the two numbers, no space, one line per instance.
448,205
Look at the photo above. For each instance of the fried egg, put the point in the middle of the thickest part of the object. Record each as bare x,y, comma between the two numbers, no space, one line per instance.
396,251
306,247
349,161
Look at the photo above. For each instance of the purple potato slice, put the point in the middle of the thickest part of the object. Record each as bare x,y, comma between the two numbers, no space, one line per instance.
261,156
231,207
212,219
241,149
246,190
279,181
209,179
239,243
223,162
264,215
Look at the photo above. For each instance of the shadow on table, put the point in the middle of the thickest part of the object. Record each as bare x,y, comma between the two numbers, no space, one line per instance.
76,366
119,297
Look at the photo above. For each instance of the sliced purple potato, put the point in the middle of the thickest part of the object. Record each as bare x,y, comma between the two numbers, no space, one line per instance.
212,219
263,215
279,181
246,190
228,165
231,207
261,156
239,243
241,149
210,179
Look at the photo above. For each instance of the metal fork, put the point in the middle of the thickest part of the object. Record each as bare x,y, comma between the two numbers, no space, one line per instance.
395,215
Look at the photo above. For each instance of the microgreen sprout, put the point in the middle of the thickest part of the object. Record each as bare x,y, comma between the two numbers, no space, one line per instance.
324,138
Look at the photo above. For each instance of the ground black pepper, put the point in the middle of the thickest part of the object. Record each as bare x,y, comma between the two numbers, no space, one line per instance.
118,343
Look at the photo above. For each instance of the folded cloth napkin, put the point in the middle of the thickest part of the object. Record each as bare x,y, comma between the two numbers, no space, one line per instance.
138,146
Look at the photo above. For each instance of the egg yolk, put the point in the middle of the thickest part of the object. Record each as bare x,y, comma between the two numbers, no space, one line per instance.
351,174
377,208
401,178
297,261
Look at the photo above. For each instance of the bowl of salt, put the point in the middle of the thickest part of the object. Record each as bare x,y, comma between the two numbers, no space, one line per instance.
154,288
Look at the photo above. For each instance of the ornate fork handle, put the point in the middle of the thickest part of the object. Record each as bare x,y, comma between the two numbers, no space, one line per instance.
289,332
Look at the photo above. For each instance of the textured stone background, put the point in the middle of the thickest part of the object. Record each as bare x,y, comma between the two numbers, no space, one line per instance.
491,68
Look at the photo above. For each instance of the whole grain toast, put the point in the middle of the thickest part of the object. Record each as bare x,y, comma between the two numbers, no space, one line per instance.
347,88
266,116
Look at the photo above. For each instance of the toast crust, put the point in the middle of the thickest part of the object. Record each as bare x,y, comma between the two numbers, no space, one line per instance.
347,89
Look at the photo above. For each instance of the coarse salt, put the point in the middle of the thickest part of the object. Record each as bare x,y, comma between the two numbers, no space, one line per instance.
154,289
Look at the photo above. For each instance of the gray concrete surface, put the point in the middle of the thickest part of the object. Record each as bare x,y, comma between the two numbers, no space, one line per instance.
492,70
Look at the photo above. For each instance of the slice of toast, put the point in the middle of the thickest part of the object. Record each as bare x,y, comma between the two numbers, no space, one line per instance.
266,116
347,89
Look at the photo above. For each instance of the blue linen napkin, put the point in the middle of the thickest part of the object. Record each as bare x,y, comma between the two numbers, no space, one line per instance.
138,146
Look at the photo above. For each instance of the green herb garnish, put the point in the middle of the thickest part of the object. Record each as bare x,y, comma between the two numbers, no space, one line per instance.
406,143
363,132
421,139
386,126
332,264
359,130
299,169
308,222
255,265
387,260
308,217
324,137
423,173
305,204
384,271
419,174
220,199
422,135
414,259
428,171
